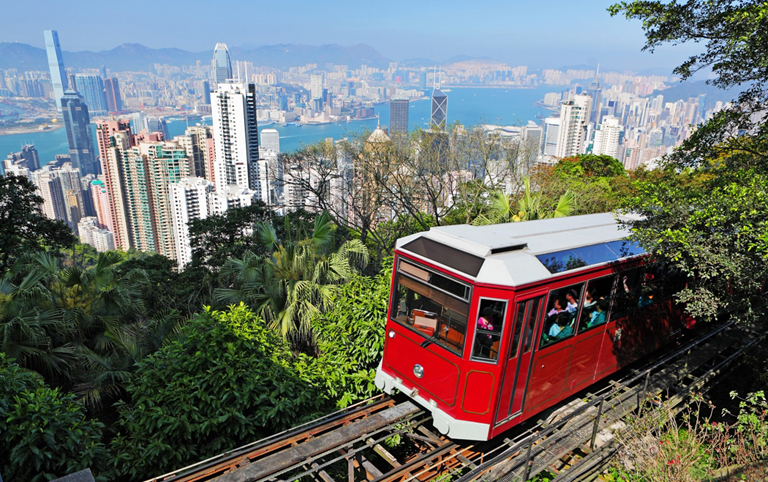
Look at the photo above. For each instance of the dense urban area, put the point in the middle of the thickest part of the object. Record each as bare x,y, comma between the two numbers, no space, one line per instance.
166,298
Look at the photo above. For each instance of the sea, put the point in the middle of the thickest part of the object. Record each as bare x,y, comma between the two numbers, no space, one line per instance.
466,105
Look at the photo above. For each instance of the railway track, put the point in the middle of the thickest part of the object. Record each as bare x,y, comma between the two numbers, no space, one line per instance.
352,444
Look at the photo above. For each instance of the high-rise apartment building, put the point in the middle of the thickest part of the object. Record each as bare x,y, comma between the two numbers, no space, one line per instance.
222,65
439,109
49,187
316,86
56,66
77,124
189,199
398,116
236,136
115,139
100,200
270,139
112,92
91,88
574,117
195,143
607,137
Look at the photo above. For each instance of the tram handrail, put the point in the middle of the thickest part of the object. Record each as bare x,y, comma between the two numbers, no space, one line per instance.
531,439
274,437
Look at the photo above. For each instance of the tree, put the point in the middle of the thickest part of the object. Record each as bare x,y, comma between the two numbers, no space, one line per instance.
707,215
530,206
295,282
227,382
46,433
735,34
23,228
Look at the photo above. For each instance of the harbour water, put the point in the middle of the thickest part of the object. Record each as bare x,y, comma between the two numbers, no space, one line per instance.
469,106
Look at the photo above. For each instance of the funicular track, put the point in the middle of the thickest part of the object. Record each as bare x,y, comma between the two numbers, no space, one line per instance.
350,437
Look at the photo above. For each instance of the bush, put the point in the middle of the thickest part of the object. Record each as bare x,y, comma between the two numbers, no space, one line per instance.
228,382
43,433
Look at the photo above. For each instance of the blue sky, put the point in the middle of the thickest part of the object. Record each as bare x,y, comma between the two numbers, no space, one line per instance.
539,33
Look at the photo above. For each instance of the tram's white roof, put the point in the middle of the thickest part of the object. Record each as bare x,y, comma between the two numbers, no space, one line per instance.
508,251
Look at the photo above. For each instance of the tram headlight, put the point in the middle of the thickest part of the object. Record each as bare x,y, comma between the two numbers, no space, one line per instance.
418,370
391,333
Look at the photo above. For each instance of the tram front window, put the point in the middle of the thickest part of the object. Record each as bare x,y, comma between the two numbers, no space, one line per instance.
433,313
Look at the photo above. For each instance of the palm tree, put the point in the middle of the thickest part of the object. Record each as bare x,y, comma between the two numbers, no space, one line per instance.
295,281
529,207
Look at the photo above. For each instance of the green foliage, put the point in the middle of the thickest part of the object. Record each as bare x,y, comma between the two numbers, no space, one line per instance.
296,281
736,48
228,382
216,239
530,206
590,165
351,336
45,434
23,228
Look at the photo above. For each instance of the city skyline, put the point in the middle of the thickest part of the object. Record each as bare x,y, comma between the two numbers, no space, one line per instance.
512,32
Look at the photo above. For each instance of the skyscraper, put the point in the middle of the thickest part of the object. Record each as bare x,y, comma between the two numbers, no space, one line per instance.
574,117
595,90
236,136
91,87
439,109
115,139
607,137
551,134
112,91
56,66
194,142
189,199
77,123
222,65
27,158
398,116
316,86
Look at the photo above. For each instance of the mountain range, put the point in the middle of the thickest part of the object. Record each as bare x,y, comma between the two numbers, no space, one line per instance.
137,57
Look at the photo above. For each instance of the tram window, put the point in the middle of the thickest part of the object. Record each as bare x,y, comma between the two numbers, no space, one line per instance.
562,310
488,328
432,313
532,317
627,297
597,302
519,320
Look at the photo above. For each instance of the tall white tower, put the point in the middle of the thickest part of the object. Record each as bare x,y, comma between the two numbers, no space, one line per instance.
607,137
189,200
574,117
236,136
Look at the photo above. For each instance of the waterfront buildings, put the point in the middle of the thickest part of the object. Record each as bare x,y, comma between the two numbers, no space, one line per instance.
398,116
55,66
91,87
222,65
26,158
77,124
270,139
236,136
439,111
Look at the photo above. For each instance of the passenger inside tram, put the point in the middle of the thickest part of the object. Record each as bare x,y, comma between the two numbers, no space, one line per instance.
488,329
558,306
571,298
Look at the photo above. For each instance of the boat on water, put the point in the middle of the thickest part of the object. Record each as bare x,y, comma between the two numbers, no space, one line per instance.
265,122
294,124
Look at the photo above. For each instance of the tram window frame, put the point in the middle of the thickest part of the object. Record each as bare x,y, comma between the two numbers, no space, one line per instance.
494,334
544,339
626,297
583,327
533,320
420,275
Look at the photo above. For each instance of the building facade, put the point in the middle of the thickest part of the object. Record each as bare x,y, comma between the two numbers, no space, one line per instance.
56,66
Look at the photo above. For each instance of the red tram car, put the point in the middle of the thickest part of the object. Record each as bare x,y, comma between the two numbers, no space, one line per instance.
490,325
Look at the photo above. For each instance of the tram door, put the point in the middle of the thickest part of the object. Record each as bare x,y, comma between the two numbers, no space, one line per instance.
518,359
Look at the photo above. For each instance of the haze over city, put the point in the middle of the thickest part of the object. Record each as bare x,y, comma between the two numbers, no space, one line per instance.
547,34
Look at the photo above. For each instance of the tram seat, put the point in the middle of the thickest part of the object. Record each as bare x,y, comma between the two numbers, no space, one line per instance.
425,321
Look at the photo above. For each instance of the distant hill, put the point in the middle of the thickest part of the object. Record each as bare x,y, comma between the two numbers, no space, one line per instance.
138,57
685,90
